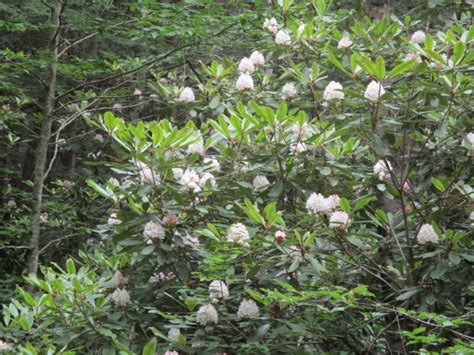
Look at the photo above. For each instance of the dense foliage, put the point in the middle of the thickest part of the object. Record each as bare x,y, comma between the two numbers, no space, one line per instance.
269,178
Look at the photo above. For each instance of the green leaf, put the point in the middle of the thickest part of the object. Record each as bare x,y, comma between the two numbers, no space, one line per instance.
401,68
458,52
70,267
440,269
362,203
335,61
150,347
262,330
408,294
438,184
454,257
99,189
214,102
252,212
345,205
380,68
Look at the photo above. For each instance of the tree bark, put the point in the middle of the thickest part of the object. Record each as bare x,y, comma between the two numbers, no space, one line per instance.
45,135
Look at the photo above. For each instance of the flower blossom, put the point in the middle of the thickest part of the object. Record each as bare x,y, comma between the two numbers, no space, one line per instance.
190,181
11,204
374,91
246,66
5,346
187,95
177,173
333,91
418,37
244,82
207,178
171,352
427,234
197,147
271,25
333,201
145,173
207,314
173,334
257,58
344,42
299,130
113,219
118,279
339,220
280,236
413,56
137,92
153,231
248,309
260,182
283,38
288,91
238,233
212,164
121,297
99,138
301,29
318,203
218,289
382,170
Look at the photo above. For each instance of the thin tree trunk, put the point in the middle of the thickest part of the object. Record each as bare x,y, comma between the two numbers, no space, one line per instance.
45,135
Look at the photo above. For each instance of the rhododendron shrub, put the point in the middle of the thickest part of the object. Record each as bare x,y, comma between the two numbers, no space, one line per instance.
318,202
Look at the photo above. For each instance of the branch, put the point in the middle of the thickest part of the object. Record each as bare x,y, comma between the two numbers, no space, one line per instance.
146,64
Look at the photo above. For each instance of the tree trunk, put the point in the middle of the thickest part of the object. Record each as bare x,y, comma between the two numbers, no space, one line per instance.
45,135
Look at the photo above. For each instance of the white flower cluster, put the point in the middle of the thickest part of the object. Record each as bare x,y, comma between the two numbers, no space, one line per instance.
339,220
121,297
118,279
5,346
427,234
211,164
244,82
333,91
171,352
207,314
288,91
197,147
301,29
317,203
246,68
413,56
344,43
260,182
238,233
218,289
248,309
470,140
382,170
283,38
374,91
192,182
299,131
153,232
145,173
173,334
418,37
113,220
257,58
271,25
187,95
